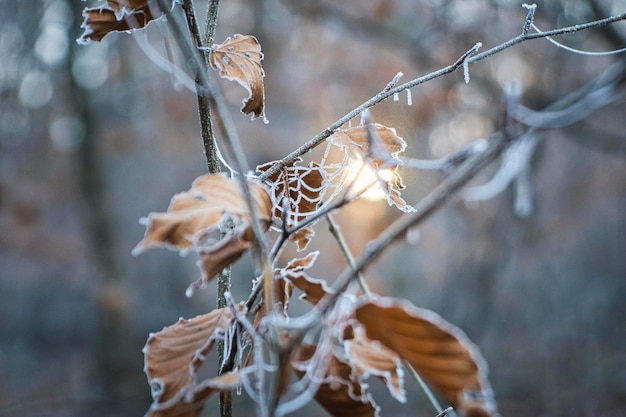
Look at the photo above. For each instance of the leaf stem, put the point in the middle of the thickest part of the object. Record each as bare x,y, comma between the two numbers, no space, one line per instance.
429,394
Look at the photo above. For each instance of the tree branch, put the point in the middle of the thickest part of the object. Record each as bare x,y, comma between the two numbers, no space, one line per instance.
385,93
204,106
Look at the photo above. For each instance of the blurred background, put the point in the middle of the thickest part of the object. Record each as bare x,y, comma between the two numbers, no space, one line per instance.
92,138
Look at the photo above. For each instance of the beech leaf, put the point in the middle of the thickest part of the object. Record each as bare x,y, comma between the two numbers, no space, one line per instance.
238,59
384,149
338,394
440,352
298,191
380,147
194,220
217,253
190,402
313,289
369,358
121,16
173,355
194,212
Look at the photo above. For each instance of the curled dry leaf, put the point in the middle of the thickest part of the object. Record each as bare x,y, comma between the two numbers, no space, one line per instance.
379,146
368,358
297,190
312,289
173,355
238,59
338,394
192,212
121,16
217,253
194,217
440,352
190,402
385,147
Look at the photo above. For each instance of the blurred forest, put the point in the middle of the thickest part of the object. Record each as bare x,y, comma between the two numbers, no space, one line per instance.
92,138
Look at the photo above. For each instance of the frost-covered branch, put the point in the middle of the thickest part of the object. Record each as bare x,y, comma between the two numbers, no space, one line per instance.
464,60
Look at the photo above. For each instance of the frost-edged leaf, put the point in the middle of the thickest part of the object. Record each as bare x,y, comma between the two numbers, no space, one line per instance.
282,293
121,16
440,352
190,402
195,219
173,355
313,289
379,147
382,149
368,358
238,59
302,237
296,193
217,253
338,394
193,212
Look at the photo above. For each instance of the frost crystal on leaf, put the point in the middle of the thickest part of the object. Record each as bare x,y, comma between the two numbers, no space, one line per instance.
238,59
194,218
377,147
121,16
297,192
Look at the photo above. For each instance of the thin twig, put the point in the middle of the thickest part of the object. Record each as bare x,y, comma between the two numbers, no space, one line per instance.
429,394
211,22
204,106
529,36
343,245
388,92
212,159
445,412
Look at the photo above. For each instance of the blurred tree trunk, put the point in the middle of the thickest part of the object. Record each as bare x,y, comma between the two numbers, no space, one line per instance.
118,363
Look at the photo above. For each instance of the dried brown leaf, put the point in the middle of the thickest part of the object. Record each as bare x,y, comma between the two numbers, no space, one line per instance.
380,147
302,237
190,402
313,289
282,294
194,212
297,190
173,355
238,59
121,16
440,352
194,219
338,394
218,254
384,149
368,358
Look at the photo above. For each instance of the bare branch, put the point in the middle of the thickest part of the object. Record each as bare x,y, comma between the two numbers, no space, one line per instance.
386,92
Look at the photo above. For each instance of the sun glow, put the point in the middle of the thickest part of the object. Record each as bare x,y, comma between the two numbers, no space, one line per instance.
362,176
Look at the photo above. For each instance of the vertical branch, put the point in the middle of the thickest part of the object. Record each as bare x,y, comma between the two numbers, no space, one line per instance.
204,106
212,159
211,22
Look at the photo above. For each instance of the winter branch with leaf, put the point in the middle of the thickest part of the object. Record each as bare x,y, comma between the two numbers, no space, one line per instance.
348,333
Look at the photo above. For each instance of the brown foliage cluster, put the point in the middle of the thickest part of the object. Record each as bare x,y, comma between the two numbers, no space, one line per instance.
352,338
369,337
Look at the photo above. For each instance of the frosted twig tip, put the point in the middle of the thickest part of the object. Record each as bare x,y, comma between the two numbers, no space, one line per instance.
530,17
